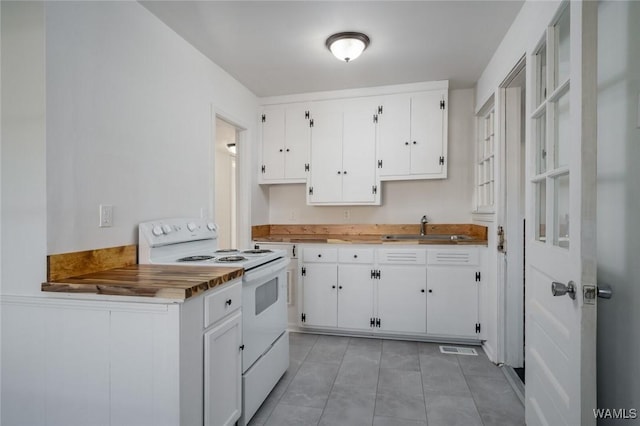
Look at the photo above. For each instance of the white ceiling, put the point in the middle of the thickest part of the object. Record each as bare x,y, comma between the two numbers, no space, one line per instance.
278,47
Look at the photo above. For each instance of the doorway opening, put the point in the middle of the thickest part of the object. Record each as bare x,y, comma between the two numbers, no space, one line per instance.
511,220
227,142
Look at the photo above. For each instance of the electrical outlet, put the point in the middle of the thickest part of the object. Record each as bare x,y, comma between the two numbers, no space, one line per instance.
106,216
292,215
346,214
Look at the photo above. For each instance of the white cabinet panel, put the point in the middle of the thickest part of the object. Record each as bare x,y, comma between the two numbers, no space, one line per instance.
452,301
320,294
222,372
325,185
401,299
355,296
297,142
427,139
273,134
320,254
394,133
359,152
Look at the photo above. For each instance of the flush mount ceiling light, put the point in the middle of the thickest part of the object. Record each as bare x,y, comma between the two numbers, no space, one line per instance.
347,46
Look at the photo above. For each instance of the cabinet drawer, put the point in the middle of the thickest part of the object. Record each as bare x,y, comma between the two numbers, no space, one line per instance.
320,255
222,302
401,256
355,255
467,257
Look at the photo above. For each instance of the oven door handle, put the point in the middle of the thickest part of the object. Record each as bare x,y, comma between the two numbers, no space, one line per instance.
258,275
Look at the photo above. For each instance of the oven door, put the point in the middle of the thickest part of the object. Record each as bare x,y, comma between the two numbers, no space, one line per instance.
264,309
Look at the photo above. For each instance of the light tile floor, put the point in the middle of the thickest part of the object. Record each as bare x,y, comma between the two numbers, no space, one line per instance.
350,381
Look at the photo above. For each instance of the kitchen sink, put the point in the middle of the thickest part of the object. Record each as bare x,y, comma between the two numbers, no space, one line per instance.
428,237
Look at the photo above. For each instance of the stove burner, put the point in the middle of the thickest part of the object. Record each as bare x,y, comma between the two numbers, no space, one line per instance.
228,259
227,250
195,258
257,251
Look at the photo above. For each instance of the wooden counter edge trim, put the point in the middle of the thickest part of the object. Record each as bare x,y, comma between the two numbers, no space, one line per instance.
372,231
64,265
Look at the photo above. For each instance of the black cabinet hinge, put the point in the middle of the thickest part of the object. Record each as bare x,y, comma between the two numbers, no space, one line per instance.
373,274
375,118
477,327
306,115
311,123
311,190
379,164
303,317
242,347
264,168
379,109
304,271
264,118
378,322
442,104
441,161
374,189
478,276
372,322
377,274
293,251
306,167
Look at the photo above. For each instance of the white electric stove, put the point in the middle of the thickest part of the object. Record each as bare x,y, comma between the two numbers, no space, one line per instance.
194,242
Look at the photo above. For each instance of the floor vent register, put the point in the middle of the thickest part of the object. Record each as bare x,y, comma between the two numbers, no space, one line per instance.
455,350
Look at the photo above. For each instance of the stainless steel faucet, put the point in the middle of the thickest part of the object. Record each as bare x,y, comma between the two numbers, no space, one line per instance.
423,225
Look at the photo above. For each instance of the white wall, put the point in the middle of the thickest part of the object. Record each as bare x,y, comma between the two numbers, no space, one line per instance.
443,201
619,205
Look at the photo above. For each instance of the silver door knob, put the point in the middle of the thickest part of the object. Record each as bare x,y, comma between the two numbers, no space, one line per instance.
604,291
560,289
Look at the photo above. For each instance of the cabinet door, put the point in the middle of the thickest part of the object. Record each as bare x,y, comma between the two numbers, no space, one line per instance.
273,137
452,301
326,154
355,296
320,295
297,140
402,299
427,125
359,152
393,134
222,372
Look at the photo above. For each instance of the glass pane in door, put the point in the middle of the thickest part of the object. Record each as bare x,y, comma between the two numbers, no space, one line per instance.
561,214
541,144
541,210
562,48
541,61
562,131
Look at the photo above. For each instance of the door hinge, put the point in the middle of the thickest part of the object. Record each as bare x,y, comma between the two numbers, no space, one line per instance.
242,347
442,104
372,322
306,167
264,168
264,118
303,317
311,123
311,190
293,251
374,189
306,115
441,160
477,327
304,271
378,322
375,118
478,276
379,109
373,274
378,274
379,164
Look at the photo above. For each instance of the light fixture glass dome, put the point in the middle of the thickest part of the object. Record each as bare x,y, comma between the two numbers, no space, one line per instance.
347,46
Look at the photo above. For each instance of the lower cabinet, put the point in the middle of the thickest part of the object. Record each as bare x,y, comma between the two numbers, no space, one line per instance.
401,290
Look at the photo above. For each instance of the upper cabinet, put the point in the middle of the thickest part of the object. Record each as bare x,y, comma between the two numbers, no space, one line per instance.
286,134
343,137
412,136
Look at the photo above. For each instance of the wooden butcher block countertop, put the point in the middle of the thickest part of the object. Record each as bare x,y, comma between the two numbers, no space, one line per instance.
368,233
163,281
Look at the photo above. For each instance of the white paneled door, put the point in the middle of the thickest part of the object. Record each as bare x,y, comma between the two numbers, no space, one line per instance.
561,246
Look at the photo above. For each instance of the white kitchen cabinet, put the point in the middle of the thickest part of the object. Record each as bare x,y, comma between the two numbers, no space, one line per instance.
454,277
343,153
412,136
286,136
319,282
355,288
222,372
119,360
401,286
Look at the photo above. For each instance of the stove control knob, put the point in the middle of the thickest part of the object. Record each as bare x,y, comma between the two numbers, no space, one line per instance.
157,231
166,229
211,226
191,226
